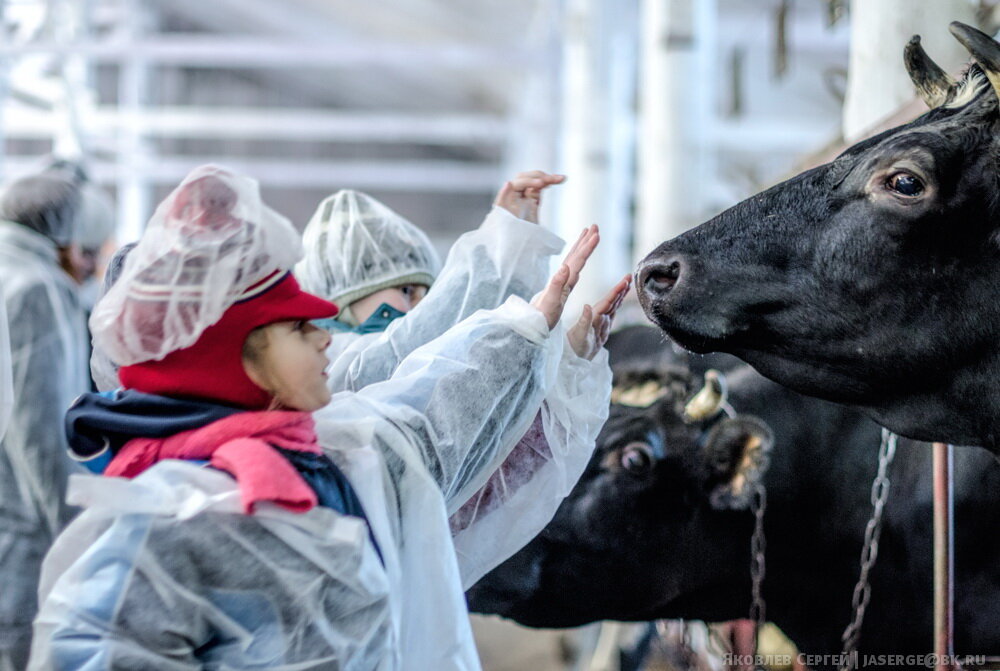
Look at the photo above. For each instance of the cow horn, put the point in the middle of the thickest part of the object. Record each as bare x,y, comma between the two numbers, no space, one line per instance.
708,400
983,48
933,84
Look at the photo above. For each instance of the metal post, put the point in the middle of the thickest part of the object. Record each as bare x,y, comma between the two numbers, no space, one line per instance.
944,556
136,153
597,129
5,69
676,116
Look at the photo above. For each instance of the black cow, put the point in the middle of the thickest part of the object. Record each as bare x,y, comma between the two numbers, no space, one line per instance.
657,529
872,280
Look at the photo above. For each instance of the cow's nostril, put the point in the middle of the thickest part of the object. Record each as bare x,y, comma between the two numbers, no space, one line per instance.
659,278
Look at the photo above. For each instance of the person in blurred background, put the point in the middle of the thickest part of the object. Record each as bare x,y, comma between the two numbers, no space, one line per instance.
42,261
93,227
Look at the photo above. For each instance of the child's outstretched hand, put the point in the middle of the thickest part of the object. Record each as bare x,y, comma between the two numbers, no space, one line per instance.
552,299
588,335
522,195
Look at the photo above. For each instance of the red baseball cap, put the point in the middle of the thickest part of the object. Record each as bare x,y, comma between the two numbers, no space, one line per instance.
212,368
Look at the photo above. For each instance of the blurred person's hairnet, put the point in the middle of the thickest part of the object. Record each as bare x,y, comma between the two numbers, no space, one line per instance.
47,203
62,204
207,242
356,246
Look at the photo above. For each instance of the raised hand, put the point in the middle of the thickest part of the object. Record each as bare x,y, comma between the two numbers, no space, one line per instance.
588,335
551,301
522,195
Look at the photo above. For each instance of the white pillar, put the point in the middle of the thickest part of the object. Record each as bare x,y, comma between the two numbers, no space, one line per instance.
4,90
69,21
877,83
597,137
675,113
532,141
134,189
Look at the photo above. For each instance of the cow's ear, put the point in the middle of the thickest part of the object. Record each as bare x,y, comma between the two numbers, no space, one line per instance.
736,452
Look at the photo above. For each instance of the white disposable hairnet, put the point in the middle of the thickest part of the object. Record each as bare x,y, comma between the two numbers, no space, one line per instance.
356,246
47,203
211,238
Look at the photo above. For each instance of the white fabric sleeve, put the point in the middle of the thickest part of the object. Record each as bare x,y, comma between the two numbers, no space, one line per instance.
505,256
6,373
523,494
463,399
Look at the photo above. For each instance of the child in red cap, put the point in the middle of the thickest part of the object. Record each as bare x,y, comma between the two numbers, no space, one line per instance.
253,523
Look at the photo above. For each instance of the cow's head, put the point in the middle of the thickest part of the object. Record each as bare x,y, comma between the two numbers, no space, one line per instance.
658,518
872,280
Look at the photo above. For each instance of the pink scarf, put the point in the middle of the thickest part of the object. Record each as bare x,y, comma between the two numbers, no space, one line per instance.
241,445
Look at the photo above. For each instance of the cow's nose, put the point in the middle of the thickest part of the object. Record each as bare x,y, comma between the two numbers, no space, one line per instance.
659,277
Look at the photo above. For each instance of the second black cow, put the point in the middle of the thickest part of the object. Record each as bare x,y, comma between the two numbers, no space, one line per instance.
657,527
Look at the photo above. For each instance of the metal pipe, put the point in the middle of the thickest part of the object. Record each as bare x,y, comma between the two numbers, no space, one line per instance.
944,556
256,52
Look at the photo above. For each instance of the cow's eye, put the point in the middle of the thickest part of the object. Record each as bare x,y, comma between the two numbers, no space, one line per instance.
905,184
637,457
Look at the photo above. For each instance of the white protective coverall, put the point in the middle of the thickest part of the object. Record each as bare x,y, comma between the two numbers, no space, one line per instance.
6,377
48,347
175,577
505,256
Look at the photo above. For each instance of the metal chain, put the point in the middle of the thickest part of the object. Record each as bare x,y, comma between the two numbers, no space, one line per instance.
869,553
758,546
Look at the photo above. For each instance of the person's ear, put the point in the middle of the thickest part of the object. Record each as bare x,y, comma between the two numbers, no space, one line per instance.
254,365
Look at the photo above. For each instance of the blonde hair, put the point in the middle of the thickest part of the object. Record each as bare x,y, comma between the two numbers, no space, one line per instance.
253,353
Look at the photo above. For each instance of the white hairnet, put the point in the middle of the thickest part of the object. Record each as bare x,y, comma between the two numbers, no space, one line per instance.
47,203
356,246
211,239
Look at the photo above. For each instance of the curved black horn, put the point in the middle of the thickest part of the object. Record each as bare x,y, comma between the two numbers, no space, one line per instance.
983,48
933,84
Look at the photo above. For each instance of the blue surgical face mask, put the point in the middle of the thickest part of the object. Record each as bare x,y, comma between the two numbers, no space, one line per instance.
379,321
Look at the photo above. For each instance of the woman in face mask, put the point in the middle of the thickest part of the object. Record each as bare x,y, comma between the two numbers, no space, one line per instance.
361,254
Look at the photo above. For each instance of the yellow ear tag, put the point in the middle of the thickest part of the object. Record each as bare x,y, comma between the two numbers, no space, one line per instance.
747,462
641,396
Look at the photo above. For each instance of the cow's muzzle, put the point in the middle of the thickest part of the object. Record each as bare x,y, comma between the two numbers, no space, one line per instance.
657,278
